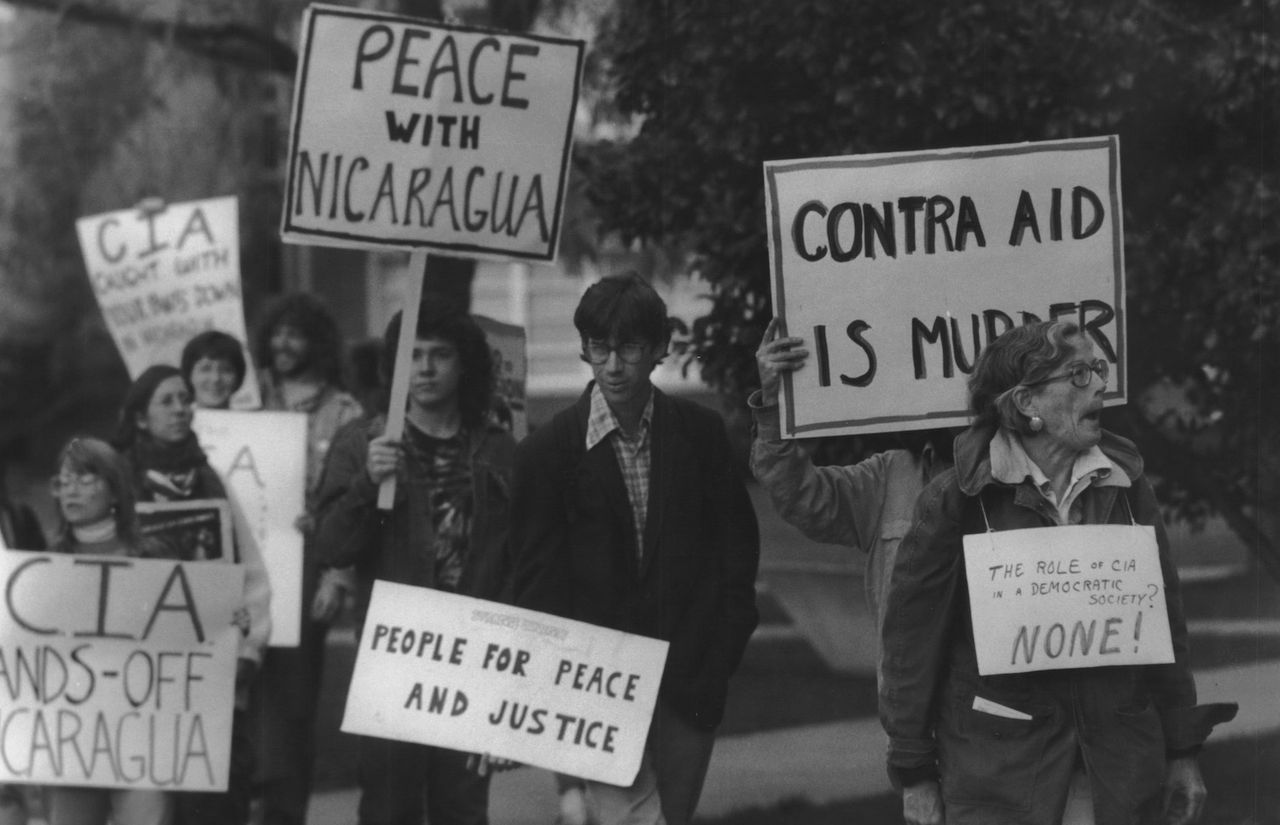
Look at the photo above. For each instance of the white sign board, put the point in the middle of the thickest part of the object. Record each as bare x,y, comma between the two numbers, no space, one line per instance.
261,458
896,269
477,676
411,133
163,277
1049,598
118,672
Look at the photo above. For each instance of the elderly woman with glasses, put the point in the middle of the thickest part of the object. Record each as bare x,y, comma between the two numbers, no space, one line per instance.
95,501
1087,744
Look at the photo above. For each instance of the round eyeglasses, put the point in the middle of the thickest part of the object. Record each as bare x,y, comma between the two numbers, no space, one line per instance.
597,352
1080,373
83,481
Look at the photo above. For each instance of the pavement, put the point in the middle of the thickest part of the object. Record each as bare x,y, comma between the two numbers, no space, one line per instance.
840,760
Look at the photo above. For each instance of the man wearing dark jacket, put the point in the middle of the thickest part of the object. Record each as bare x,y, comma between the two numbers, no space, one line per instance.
447,530
629,512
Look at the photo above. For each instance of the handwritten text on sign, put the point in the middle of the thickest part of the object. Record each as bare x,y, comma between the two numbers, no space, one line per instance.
116,672
163,277
898,269
477,676
261,458
1064,597
410,133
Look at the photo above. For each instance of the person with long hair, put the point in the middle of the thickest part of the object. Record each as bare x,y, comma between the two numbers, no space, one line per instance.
166,463
95,499
156,438
447,530
300,354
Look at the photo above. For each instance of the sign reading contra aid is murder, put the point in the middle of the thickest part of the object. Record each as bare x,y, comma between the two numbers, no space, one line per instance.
163,276
117,672
417,134
261,457
897,269
1064,597
477,676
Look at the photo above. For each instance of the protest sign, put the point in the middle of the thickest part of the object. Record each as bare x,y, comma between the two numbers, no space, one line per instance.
163,276
196,530
117,672
511,374
408,133
1049,598
471,675
262,460
897,269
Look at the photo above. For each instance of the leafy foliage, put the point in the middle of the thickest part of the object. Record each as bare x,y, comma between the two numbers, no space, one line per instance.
1191,88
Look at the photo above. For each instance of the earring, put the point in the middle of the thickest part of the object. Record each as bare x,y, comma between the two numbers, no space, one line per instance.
1036,424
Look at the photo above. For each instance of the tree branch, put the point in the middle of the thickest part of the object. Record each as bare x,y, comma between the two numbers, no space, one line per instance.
232,43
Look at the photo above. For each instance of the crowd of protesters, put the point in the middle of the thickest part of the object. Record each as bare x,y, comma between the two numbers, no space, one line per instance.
627,510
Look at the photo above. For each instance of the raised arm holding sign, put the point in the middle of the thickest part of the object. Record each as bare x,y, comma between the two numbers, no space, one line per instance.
897,269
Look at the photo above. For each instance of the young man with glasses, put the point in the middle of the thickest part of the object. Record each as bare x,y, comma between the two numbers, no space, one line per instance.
629,512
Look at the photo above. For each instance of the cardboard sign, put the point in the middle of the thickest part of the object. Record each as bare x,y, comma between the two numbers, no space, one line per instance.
262,460
482,677
511,374
1050,598
409,133
197,530
161,278
897,269
117,672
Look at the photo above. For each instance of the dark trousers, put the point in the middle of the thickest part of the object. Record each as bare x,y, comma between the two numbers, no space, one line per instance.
284,717
229,807
400,781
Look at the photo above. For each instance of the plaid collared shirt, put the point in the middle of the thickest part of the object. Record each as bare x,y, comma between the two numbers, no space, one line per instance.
634,455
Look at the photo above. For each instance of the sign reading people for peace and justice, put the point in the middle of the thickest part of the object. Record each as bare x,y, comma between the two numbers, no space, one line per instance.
1062,597
462,673
127,681
262,460
897,269
162,277
414,134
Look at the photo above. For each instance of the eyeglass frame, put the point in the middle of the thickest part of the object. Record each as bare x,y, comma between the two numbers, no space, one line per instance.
641,347
57,484
1098,366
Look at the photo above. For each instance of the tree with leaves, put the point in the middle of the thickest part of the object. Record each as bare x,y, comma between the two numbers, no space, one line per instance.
1189,87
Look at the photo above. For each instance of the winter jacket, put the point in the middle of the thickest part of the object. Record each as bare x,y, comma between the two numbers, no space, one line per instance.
395,545
1120,720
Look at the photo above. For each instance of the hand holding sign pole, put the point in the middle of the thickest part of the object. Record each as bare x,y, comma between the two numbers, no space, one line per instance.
404,364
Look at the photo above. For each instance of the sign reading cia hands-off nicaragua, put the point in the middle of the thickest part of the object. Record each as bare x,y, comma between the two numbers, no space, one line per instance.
117,672
896,269
414,134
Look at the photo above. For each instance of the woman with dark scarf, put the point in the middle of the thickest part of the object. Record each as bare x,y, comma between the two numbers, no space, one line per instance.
167,464
155,437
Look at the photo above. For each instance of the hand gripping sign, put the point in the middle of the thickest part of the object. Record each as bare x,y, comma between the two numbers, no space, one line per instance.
1049,598
117,672
897,269
477,676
